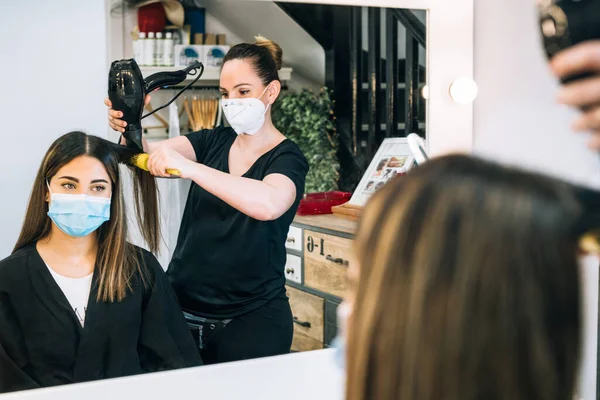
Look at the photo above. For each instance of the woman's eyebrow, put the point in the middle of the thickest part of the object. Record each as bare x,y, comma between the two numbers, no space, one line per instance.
235,87
69,178
241,84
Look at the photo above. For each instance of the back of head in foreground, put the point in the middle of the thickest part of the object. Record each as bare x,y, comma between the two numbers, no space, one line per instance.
467,286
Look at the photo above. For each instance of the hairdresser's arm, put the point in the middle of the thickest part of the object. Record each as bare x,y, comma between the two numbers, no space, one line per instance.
179,144
583,93
262,200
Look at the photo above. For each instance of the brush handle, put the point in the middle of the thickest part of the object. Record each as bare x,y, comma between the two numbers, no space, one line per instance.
141,161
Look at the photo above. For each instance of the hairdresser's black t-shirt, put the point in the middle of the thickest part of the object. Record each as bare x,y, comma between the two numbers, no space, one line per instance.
227,263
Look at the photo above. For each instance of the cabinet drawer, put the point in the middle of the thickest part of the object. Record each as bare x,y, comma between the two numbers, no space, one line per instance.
309,314
294,239
326,261
293,268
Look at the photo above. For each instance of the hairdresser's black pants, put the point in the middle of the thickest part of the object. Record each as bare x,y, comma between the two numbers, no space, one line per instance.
266,331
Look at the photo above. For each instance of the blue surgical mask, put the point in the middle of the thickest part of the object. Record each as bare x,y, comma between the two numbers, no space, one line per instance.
339,342
78,215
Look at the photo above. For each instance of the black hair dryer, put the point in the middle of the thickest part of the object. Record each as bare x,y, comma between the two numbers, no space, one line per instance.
127,90
565,23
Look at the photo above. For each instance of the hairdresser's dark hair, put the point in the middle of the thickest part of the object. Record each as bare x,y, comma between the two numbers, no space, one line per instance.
117,259
265,56
468,287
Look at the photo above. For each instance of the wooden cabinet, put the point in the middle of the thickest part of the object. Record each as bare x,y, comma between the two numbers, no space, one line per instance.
326,262
318,258
309,320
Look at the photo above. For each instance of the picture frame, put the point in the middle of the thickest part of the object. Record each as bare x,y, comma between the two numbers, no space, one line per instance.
393,158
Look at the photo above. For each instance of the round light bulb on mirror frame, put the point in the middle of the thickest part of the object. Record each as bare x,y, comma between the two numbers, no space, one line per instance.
425,92
463,90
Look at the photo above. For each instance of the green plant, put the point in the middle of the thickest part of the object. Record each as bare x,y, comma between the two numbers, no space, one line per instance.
308,119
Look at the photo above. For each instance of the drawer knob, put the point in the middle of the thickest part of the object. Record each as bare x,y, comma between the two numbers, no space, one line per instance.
304,324
340,261
290,240
289,271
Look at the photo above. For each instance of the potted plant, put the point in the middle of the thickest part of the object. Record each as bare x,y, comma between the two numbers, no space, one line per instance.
307,118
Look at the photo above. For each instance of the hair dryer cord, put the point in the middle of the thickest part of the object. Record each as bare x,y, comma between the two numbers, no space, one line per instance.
189,85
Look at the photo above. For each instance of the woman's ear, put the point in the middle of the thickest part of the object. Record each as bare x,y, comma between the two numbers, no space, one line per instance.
47,191
273,91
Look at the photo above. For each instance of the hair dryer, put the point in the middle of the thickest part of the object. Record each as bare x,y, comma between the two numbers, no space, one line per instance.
127,90
565,23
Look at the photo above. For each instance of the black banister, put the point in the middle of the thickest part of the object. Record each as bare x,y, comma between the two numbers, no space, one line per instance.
356,75
374,66
391,73
412,24
412,85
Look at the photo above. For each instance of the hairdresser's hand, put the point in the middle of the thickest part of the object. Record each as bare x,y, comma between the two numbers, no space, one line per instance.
165,158
584,93
113,115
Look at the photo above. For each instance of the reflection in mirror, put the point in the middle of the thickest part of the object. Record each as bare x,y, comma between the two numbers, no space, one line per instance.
352,77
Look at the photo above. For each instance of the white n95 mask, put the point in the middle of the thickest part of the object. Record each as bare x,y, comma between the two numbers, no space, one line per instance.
245,115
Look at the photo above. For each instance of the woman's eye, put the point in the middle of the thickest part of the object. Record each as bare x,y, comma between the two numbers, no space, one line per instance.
99,188
244,92
68,186
224,95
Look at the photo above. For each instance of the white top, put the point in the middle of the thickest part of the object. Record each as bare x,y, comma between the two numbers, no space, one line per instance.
76,290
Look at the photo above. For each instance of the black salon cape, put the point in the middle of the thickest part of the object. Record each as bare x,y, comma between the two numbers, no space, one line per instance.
42,343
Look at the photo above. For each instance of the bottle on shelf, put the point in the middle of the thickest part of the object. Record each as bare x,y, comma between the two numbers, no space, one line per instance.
168,50
138,48
159,49
150,49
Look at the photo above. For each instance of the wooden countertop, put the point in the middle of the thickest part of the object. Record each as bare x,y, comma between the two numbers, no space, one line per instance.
329,221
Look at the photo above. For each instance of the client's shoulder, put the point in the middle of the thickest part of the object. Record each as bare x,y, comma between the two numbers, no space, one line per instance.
148,262
14,264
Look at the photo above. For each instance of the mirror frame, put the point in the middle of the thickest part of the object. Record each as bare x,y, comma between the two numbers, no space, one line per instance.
449,49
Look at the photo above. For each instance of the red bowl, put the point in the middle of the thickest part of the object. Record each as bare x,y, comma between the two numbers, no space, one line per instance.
321,203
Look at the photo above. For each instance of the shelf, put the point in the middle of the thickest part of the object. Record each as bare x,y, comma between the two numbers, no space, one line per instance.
211,74
383,86
383,127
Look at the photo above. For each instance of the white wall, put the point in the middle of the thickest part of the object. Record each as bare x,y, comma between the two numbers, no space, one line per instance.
300,50
315,79
54,80
517,121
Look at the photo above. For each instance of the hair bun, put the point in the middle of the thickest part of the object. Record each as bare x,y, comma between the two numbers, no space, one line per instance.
273,48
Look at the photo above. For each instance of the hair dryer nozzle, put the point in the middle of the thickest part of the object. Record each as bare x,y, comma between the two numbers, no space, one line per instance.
126,92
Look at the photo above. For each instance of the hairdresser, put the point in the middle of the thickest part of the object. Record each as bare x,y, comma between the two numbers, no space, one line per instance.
583,93
228,266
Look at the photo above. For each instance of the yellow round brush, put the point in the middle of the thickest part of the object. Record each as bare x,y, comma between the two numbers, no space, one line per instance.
141,161
590,242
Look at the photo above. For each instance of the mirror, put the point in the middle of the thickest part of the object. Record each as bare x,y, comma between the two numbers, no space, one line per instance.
352,77
345,48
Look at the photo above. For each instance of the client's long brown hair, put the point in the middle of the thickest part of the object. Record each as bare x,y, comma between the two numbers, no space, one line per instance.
116,259
468,287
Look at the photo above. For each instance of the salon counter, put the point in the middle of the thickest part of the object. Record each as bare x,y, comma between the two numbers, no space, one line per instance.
319,250
301,376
